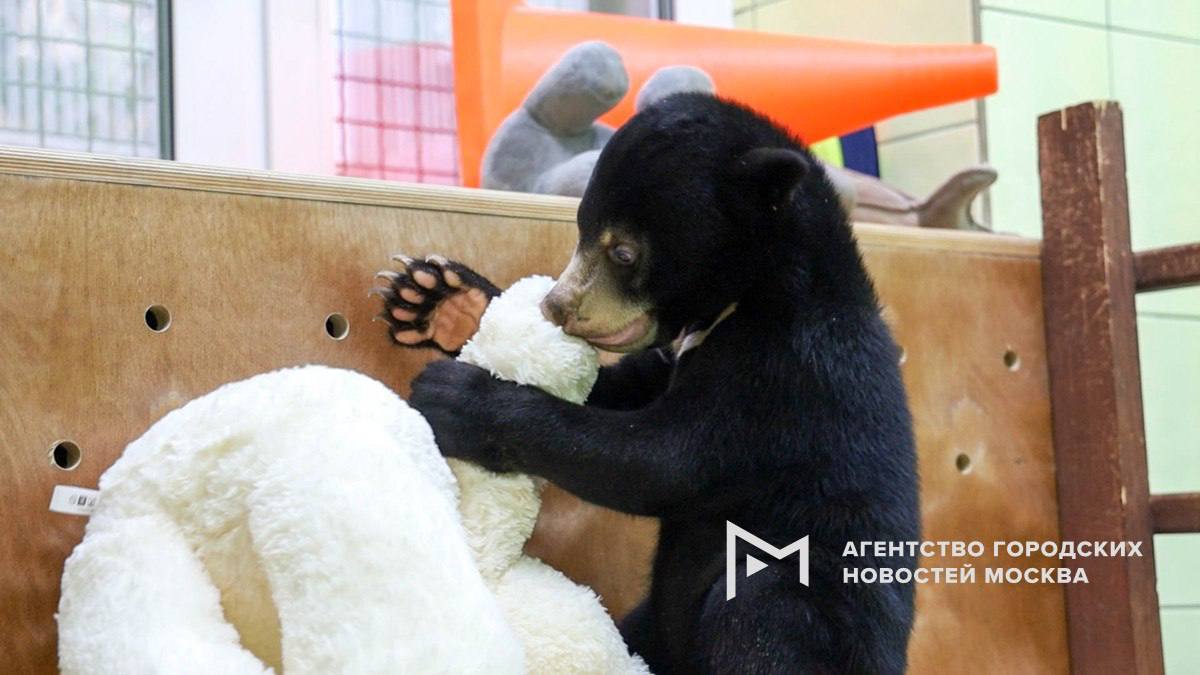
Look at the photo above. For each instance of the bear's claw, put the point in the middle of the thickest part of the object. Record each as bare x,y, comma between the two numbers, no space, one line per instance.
435,303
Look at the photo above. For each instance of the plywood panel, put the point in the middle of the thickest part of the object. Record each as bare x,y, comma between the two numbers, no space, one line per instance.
250,264
248,281
974,367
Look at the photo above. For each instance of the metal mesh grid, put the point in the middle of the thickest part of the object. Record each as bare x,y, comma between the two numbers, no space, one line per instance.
395,84
81,75
396,91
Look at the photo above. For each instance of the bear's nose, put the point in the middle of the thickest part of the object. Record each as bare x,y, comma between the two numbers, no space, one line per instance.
555,310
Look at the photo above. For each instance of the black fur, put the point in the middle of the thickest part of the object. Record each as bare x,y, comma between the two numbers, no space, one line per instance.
790,419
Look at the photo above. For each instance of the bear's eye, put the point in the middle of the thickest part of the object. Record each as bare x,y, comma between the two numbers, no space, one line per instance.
623,254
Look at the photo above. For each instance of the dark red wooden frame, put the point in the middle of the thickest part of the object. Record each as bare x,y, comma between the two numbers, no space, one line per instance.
1090,275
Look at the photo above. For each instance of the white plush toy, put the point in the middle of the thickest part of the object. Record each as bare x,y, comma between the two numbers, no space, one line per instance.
304,521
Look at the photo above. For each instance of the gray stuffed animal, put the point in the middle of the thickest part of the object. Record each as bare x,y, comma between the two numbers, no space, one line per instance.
550,144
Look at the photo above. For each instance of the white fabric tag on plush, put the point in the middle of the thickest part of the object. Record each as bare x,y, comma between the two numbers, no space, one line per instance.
75,501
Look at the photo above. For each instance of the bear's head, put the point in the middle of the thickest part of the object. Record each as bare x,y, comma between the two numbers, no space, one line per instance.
691,204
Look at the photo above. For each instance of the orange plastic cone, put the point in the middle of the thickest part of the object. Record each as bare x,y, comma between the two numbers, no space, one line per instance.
815,87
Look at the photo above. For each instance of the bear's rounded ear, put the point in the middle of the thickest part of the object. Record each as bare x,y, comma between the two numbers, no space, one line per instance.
772,173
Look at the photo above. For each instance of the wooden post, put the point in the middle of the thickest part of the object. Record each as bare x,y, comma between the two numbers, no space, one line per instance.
1095,386
1171,267
1176,513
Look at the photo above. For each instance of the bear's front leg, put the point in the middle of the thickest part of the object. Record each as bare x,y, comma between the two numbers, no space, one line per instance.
645,462
460,401
434,302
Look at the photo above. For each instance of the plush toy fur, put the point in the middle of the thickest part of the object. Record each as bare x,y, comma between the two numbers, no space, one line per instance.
304,520
563,626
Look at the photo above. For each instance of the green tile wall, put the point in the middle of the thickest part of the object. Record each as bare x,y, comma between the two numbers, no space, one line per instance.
1157,81
1178,18
1076,10
1147,56
1043,66
1180,630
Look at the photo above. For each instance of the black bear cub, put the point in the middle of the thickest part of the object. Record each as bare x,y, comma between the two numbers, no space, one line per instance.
760,387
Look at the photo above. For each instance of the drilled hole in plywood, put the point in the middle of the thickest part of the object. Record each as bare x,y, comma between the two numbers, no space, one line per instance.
963,463
65,455
337,326
158,318
1011,360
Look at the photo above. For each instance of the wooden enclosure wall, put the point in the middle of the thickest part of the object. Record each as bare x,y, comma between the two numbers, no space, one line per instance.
249,265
